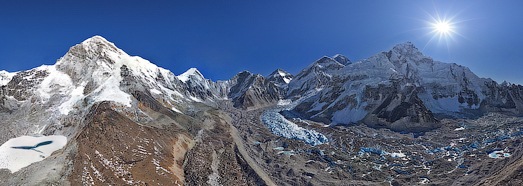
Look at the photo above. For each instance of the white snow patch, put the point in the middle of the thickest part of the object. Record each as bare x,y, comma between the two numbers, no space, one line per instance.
171,92
447,104
350,115
442,105
460,128
15,159
155,91
195,99
284,102
499,154
285,76
110,91
397,155
280,126
5,77
186,75
76,95
176,110
287,80
55,83
424,181
159,167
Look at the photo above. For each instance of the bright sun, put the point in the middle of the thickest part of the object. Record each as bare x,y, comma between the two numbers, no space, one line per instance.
442,27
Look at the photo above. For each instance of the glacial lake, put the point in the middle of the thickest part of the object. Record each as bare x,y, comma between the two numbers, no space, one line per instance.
20,152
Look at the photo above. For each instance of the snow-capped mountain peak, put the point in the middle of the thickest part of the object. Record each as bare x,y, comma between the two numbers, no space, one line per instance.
407,51
407,46
100,45
97,58
191,73
280,77
96,70
341,59
282,72
327,62
315,76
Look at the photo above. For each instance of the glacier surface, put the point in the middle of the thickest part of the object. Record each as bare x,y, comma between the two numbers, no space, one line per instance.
280,126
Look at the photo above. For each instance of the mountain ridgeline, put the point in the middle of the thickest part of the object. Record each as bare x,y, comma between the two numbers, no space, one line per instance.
130,122
400,89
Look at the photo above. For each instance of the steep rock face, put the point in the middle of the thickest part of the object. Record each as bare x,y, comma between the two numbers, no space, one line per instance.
505,98
21,99
399,89
252,91
22,84
400,110
280,78
199,88
317,75
342,59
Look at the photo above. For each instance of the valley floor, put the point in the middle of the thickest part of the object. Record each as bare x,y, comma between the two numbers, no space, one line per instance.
485,151
229,146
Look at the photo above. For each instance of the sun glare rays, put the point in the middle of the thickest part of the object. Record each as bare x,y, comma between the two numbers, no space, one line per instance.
442,29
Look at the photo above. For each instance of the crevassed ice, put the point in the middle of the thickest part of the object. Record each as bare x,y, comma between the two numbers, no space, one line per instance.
280,126
285,128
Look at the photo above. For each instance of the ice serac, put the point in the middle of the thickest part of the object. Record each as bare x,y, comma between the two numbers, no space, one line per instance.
400,89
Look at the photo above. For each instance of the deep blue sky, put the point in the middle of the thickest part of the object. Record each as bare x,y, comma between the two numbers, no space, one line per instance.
224,37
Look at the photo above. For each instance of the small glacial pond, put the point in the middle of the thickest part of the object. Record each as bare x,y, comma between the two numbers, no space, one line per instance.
20,152
499,154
